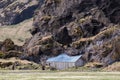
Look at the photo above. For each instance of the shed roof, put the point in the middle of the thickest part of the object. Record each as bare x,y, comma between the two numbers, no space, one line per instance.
64,58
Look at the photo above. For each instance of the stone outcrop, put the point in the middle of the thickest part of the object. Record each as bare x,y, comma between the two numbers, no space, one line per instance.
15,11
8,49
62,36
87,26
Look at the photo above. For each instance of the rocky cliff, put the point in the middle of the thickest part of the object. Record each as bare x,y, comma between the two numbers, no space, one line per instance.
16,11
87,27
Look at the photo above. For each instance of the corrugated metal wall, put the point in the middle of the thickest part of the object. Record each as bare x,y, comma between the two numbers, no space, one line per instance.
61,65
66,65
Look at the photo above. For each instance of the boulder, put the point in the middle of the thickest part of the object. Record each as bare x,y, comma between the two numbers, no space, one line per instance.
8,49
62,36
7,45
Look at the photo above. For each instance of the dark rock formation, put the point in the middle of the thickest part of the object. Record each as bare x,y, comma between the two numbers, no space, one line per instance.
90,27
13,12
7,45
87,25
62,36
40,45
104,48
9,49
111,9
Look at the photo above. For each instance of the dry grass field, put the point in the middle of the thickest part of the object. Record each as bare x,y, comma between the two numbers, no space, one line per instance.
18,33
57,75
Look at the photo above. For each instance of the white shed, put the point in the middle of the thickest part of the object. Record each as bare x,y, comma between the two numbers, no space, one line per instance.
64,61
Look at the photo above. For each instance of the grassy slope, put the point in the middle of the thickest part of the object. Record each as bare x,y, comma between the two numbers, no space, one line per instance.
40,75
114,67
18,33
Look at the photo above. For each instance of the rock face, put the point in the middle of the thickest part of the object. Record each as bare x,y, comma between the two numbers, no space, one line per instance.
15,11
104,48
88,26
62,36
39,46
111,9
8,49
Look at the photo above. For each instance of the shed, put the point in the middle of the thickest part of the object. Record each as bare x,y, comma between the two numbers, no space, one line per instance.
64,61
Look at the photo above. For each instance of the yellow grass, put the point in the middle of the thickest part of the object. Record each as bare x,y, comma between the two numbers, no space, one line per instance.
114,67
18,33
15,60
50,75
